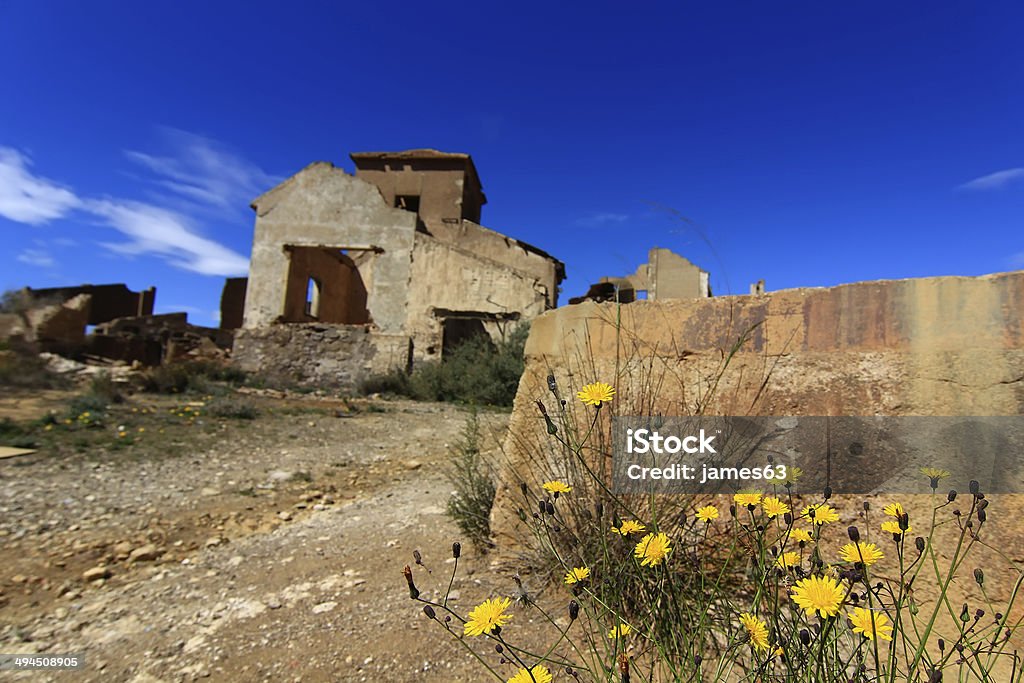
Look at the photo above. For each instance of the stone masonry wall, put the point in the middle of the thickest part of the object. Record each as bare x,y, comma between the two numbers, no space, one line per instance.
319,355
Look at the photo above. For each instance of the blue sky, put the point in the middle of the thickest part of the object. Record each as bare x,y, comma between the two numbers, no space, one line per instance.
808,144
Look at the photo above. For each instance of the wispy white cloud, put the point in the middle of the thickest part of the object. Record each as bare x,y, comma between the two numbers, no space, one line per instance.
28,198
994,181
201,171
39,258
155,230
204,171
602,219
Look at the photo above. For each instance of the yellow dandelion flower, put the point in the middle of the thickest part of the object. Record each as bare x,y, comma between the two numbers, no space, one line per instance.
893,510
818,595
870,624
820,513
934,472
800,535
577,574
891,526
792,475
536,674
773,507
652,549
757,631
747,499
485,616
707,514
595,394
556,486
620,631
788,560
628,527
868,553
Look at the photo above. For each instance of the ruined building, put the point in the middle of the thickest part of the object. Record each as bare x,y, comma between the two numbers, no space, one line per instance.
666,275
352,275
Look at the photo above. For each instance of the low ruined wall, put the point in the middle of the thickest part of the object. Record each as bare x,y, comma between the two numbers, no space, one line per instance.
933,346
319,355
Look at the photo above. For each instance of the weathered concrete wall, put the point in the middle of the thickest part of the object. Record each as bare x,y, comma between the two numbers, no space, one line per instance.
445,276
933,346
324,206
319,355
106,301
232,303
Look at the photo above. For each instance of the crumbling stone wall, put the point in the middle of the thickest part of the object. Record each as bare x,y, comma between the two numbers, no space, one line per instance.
315,354
932,346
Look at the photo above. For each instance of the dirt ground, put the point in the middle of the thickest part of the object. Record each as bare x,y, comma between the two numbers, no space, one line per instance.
267,549
168,544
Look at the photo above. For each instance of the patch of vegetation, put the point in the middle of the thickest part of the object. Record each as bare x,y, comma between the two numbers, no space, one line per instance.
23,368
104,387
191,376
473,481
478,372
233,407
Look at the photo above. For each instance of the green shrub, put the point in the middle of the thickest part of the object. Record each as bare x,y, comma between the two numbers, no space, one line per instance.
196,376
233,407
470,505
104,387
22,368
478,372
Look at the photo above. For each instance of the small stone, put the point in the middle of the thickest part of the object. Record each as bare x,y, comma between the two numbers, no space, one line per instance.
214,541
413,464
324,607
96,573
284,516
146,553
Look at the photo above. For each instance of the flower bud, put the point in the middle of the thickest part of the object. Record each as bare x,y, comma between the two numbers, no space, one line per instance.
524,488
548,507
982,515
429,611
942,645
805,637
697,659
975,487
979,576
456,550
952,496
828,492
919,544
854,533
965,615
788,518
498,648
552,385
413,591
574,610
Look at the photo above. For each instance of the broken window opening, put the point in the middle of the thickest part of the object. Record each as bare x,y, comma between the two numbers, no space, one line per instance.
409,202
313,288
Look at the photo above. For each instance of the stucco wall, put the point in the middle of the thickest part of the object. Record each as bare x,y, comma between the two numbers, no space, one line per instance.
324,206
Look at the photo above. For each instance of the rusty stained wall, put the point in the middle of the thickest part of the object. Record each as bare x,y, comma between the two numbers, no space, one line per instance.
341,290
931,346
